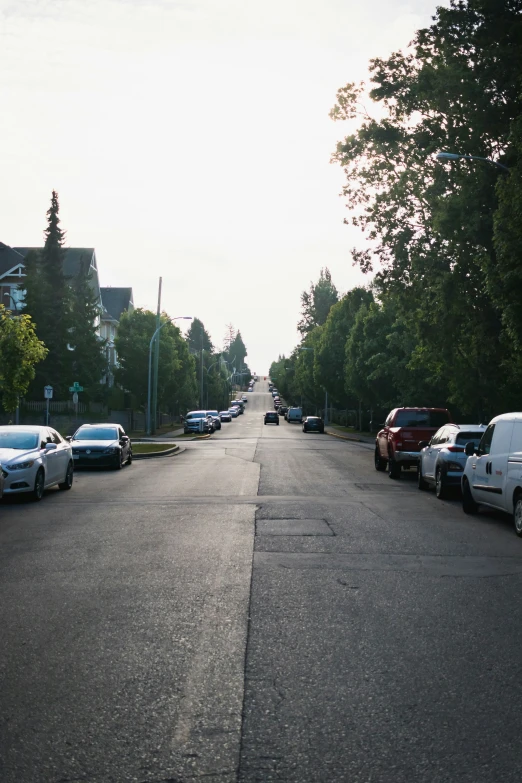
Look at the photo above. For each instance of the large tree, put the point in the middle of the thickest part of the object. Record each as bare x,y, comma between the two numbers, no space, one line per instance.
317,301
88,360
198,337
21,351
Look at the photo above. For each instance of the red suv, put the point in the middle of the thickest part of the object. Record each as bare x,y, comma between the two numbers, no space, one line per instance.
397,444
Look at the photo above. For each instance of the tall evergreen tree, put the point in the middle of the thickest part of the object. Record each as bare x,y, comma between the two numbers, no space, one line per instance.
87,360
316,302
198,337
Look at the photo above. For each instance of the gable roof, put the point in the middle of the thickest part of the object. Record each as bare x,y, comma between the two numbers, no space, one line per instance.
116,301
9,259
72,263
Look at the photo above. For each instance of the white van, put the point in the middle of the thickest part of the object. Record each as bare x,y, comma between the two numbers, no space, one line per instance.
493,475
294,414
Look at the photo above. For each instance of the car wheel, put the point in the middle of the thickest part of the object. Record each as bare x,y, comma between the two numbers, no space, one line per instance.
517,515
394,469
468,504
68,481
39,485
118,465
129,458
441,489
380,463
421,481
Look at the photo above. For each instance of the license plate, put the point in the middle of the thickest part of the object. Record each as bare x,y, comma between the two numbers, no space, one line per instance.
76,456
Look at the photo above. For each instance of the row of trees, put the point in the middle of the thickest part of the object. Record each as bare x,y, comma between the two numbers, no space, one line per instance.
56,341
441,321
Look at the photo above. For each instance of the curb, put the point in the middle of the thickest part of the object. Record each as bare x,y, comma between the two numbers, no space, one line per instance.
153,454
347,437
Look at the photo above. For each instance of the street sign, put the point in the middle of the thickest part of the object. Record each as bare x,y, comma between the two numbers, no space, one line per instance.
75,398
75,387
48,392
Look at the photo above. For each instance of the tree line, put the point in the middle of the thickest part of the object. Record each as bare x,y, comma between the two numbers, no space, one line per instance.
56,341
440,322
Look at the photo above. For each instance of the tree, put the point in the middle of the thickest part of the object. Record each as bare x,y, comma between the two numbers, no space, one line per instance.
87,361
198,337
177,388
21,350
237,352
317,301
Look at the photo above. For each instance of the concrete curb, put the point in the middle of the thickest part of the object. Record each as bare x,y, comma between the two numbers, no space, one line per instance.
165,453
347,437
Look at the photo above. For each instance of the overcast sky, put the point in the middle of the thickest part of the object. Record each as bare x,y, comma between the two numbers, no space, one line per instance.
191,139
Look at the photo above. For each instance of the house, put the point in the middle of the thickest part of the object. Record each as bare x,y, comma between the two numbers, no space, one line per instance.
11,277
115,301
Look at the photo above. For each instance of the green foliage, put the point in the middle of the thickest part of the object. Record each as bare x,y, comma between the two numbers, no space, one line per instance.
316,302
177,388
88,360
21,350
198,337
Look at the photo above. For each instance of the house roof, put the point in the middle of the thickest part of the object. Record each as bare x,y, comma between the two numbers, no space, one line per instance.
9,259
116,301
73,259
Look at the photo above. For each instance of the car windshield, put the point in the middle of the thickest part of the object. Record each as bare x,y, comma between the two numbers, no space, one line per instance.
19,440
212,413
469,437
421,419
224,413
196,415
97,433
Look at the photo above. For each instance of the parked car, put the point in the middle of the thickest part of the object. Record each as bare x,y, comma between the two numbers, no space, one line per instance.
277,404
215,418
397,443
313,424
101,445
244,398
442,460
33,459
193,419
238,404
271,417
234,411
1,481
294,414
282,410
225,416
493,473
274,393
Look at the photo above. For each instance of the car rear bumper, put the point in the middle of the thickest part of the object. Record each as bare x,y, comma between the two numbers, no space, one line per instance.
407,456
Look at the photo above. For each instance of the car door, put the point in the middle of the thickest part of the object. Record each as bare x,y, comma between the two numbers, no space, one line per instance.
124,444
429,457
489,467
62,454
50,458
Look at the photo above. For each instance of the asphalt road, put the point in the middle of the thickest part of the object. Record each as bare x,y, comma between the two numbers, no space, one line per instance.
263,607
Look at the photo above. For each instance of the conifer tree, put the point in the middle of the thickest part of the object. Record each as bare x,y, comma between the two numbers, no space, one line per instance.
87,360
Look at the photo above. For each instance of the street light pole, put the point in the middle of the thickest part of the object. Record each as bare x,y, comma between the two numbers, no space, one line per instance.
156,363
458,156
156,333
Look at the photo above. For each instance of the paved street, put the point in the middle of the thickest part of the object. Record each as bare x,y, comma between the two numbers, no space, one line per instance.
263,607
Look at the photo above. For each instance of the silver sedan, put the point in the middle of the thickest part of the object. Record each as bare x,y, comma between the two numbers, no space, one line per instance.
33,459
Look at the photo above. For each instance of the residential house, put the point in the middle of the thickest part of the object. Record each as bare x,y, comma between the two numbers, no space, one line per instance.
115,302
11,277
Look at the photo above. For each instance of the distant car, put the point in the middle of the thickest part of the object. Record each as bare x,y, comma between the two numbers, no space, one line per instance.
250,389
277,404
238,404
193,419
244,398
442,460
294,414
313,424
282,409
101,445
225,416
275,393
234,411
215,418
271,417
33,459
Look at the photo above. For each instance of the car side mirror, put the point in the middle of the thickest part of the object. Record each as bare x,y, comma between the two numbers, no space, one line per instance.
423,444
470,449
50,446
68,438
124,438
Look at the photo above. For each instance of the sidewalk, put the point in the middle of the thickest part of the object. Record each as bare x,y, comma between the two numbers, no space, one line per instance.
356,437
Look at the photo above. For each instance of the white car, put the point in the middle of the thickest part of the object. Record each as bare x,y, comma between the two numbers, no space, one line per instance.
33,459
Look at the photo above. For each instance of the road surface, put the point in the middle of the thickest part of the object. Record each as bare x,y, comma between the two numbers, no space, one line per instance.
263,607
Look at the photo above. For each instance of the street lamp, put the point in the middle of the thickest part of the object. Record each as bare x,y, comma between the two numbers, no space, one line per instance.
160,327
457,156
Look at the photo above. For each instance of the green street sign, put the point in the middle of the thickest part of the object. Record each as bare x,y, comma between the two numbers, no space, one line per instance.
75,387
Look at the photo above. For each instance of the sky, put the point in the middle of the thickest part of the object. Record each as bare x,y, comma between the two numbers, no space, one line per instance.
190,139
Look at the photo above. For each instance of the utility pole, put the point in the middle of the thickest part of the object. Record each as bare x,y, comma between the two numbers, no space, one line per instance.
156,364
325,407
201,393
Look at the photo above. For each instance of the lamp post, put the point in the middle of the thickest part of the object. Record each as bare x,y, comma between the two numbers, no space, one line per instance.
458,156
156,333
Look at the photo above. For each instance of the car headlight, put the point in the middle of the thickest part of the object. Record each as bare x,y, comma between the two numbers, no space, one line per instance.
111,450
21,465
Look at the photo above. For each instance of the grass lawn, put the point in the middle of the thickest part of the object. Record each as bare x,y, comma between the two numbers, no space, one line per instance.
147,448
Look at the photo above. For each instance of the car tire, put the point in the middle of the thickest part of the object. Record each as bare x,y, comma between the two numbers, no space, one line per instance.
129,458
68,482
394,469
517,515
468,504
118,465
421,482
441,489
380,463
39,486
